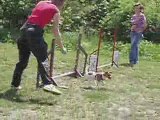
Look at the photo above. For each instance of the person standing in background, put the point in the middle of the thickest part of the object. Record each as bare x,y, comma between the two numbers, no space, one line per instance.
138,25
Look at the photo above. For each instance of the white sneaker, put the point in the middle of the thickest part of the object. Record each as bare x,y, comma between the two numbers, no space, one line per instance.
16,88
51,88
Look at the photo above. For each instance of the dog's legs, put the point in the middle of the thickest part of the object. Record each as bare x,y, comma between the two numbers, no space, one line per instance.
96,83
90,83
103,83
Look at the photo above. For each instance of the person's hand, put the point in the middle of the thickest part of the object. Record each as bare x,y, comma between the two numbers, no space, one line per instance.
133,27
21,28
64,50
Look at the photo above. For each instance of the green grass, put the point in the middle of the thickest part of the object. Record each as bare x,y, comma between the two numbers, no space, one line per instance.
131,94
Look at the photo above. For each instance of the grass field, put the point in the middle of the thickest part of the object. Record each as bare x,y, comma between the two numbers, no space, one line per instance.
131,94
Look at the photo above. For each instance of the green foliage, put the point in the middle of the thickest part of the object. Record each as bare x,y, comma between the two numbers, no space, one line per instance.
92,14
5,36
70,40
14,12
9,35
150,51
110,15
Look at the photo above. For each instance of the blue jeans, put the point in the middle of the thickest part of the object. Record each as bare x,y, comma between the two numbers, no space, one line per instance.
134,53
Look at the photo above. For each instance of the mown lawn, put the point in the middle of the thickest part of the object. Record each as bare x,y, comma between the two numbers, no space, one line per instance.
131,94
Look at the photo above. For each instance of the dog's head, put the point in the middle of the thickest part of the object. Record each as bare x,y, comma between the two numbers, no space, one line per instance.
103,76
107,75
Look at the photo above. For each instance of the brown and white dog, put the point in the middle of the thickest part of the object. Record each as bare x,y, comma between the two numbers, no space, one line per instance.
99,77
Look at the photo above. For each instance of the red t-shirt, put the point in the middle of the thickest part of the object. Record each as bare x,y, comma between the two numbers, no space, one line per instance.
43,13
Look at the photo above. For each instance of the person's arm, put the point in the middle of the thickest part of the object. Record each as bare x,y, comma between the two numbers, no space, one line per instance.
56,32
133,23
23,26
133,20
145,23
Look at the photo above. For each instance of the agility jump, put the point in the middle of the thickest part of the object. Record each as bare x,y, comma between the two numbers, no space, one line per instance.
75,73
96,53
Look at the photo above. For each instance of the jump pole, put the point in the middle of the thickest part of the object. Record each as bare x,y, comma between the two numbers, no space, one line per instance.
114,48
97,51
75,72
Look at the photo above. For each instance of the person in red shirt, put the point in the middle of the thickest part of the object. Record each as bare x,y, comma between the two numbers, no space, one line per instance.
32,40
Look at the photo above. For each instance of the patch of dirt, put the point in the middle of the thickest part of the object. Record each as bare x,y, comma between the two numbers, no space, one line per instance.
19,114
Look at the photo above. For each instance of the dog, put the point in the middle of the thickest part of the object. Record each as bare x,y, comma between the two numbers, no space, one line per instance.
99,77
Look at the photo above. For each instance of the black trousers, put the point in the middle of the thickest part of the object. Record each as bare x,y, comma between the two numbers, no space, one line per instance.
31,40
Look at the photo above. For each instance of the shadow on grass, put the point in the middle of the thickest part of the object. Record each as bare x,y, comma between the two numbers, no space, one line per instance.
14,96
125,64
95,88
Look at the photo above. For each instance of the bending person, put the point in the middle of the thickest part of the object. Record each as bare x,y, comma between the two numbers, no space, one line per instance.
32,40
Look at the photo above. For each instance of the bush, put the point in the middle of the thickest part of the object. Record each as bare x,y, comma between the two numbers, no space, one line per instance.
93,14
148,50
